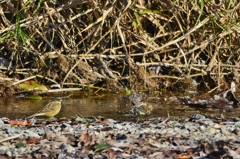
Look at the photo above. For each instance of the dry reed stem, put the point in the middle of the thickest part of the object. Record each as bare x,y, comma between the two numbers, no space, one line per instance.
179,37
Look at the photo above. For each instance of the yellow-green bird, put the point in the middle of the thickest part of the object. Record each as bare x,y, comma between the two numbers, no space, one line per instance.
50,110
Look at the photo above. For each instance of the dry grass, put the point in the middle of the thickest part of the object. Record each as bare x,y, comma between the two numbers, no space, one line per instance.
137,44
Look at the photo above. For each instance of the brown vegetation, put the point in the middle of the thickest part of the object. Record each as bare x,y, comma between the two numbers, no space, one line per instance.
136,44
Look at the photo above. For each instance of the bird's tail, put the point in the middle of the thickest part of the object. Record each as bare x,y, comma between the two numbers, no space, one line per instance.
37,114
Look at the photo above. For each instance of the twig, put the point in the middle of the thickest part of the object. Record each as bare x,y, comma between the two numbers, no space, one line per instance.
88,52
165,76
183,54
23,80
164,121
10,138
83,85
182,37
32,20
180,65
205,73
215,88
62,90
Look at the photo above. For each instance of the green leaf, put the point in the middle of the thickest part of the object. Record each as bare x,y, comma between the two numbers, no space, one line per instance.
9,34
128,92
134,24
38,6
102,146
19,144
34,97
32,85
148,11
201,12
83,119
138,20
26,5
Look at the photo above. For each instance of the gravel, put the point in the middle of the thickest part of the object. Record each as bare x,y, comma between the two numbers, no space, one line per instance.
195,137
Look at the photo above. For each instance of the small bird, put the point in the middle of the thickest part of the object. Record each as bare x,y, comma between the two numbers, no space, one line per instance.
50,110
142,108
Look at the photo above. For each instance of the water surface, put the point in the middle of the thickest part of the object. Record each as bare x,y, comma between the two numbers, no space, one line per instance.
108,105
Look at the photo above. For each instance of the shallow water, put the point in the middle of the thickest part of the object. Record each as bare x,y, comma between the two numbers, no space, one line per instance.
108,105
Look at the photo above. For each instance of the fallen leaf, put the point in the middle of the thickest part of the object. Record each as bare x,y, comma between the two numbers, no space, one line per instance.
33,140
102,120
85,137
23,123
112,154
183,156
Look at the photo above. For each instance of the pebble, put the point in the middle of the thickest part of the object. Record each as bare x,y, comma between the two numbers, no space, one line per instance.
170,135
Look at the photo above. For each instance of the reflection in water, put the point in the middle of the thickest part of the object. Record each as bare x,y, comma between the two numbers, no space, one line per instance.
18,108
116,106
